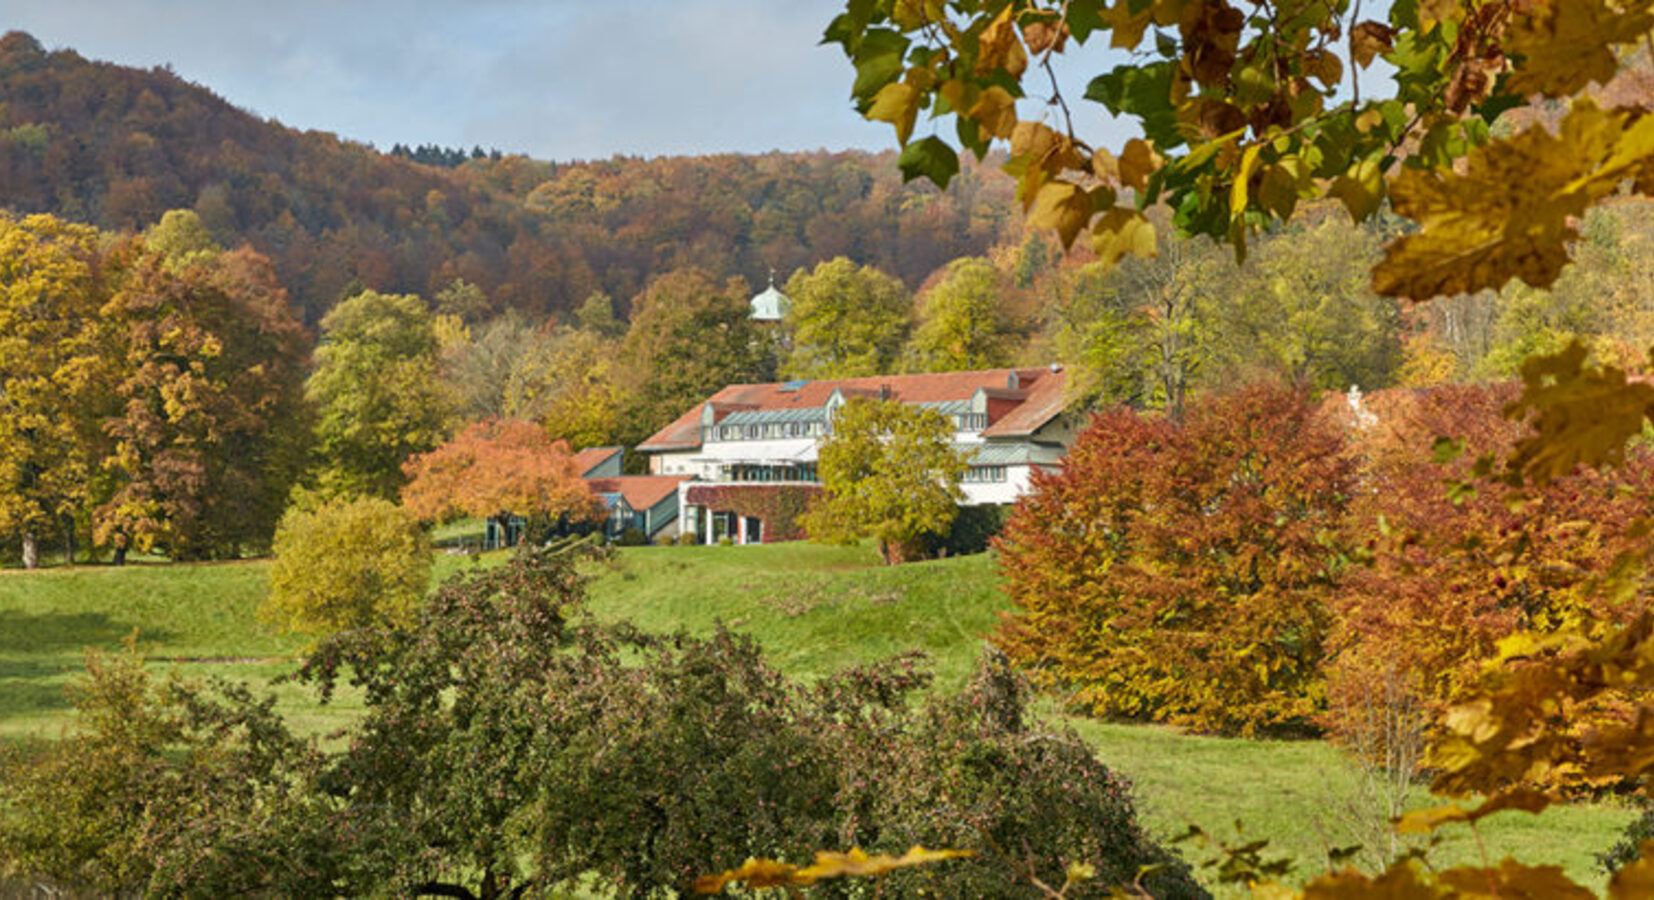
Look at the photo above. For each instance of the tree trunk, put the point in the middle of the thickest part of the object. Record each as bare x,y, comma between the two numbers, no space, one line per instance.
120,555
69,540
31,550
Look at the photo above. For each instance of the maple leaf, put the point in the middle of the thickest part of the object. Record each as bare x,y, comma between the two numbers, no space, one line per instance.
1582,415
755,873
1509,213
1567,44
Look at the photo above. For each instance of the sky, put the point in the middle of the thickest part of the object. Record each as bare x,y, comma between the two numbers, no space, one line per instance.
556,79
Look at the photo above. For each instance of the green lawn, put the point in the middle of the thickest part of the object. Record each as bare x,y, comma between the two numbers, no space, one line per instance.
815,609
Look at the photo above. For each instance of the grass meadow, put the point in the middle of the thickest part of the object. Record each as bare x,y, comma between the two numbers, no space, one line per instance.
814,609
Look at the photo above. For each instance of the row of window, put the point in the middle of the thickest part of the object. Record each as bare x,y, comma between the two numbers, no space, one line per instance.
984,474
771,431
743,472
760,473
778,430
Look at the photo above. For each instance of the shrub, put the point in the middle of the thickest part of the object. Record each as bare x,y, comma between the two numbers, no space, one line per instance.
347,564
166,788
972,531
510,746
1179,571
633,536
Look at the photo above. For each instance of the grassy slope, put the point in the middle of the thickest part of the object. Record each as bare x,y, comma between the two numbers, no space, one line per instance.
199,619
818,608
814,608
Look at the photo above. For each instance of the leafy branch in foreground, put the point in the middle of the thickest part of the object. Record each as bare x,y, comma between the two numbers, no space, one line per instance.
1247,109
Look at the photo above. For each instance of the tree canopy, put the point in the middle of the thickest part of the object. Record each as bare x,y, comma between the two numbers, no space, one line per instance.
888,471
377,393
846,321
499,467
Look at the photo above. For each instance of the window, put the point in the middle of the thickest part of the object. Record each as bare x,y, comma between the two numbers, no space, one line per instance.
984,474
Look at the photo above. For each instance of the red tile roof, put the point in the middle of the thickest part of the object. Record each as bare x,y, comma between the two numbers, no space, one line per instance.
592,457
640,491
1043,389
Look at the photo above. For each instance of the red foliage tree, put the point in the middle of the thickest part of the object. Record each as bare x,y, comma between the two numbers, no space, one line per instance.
1459,564
499,467
1179,571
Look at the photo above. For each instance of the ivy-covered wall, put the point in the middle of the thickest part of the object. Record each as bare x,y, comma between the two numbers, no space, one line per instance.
778,505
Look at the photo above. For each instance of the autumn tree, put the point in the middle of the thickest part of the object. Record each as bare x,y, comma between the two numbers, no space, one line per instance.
53,384
890,472
210,431
347,563
1455,572
1302,305
1181,572
689,337
961,322
499,468
569,382
377,393
478,366
846,321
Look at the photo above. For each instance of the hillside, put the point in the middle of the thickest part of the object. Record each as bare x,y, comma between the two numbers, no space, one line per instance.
116,147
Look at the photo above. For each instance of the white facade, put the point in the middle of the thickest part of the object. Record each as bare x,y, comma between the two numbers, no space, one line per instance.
1008,423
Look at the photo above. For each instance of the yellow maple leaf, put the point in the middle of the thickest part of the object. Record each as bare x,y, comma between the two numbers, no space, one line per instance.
996,111
1567,44
1509,213
1062,205
855,862
898,104
1513,879
1000,47
755,873
1581,414
1120,232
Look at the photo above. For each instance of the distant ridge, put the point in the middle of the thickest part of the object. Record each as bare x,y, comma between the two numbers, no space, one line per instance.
116,147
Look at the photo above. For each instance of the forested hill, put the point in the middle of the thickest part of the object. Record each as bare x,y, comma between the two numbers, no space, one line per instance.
117,147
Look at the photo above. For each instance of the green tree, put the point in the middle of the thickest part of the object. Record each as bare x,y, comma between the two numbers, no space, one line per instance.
846,321
347,563
462,300
52,384
1302,305
597,315
181,237
890,472
962,325
377,393
1164,294
689,337
167,788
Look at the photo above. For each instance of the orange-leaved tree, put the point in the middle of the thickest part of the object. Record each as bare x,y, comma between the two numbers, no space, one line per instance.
497,468
1180,572
1458,564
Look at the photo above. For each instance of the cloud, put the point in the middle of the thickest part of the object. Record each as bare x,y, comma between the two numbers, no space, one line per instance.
554,78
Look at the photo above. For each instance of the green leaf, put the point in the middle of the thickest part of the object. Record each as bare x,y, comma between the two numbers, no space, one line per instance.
878,60
1144,92
930,158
